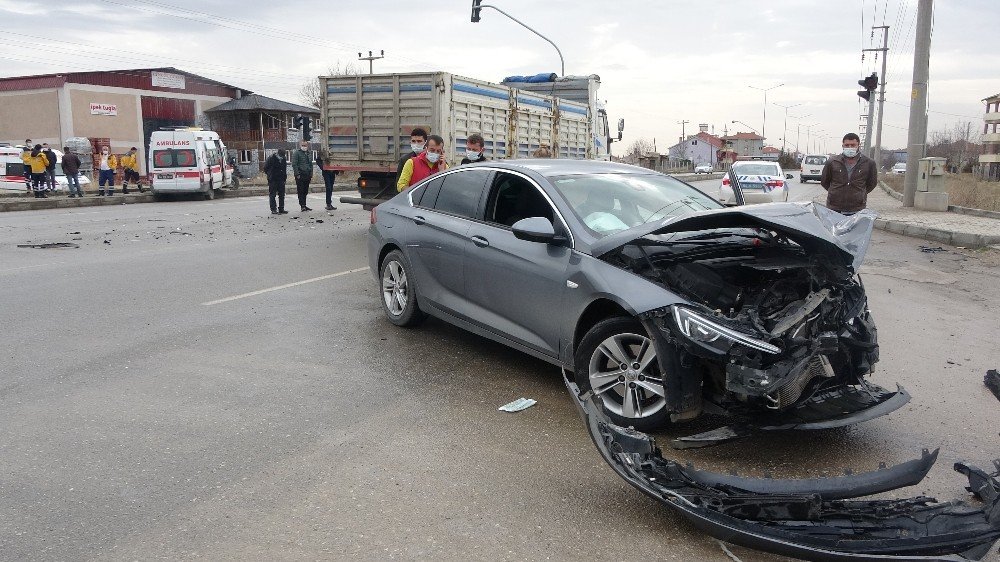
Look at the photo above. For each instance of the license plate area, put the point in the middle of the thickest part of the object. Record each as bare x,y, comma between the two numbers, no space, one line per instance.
164,176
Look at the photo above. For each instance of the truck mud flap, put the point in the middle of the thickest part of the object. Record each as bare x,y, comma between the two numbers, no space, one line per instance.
825,410
807,518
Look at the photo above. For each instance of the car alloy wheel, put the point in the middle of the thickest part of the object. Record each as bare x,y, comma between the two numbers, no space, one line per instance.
624,372
394,288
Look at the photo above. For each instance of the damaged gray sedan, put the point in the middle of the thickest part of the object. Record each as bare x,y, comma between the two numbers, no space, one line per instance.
657,298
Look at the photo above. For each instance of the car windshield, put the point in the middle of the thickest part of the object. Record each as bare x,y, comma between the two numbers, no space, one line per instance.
608,203
816,160
171,158
900,166
756,169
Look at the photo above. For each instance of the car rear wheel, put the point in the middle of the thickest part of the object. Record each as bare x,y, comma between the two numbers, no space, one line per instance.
399,298
617,360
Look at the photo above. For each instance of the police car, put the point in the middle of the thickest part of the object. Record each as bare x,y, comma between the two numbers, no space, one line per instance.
760,181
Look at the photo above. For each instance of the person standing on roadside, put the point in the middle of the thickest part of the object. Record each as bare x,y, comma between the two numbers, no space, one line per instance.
325,164
50,171
106,165
427,163
542,151
130,170
71,167
474,149
418,139
276,170
302,169
849,177
38,164
26,151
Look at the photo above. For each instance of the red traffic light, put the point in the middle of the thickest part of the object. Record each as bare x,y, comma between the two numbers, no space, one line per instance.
475,10
865,94
869,83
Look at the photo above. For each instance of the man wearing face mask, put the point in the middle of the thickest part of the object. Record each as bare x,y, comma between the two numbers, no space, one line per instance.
275,170
474,149
302,169
418,138
849,177
106,164
427,163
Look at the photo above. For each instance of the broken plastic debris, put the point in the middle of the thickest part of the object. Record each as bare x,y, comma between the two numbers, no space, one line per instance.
518,405
992,381
49,245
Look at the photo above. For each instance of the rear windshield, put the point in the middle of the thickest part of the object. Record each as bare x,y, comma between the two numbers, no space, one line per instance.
815,160
757,170
174,158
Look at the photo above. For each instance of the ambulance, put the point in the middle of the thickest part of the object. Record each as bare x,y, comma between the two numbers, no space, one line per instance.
188,160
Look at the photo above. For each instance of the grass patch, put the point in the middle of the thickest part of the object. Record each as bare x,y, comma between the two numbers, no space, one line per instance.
964,190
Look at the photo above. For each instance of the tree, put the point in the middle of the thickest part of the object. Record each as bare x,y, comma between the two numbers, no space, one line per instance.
311,93
639,148
960,144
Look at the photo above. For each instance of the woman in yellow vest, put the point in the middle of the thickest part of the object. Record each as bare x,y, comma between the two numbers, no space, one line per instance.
37,163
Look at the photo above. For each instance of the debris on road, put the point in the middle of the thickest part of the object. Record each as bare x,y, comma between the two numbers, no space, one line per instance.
49,245
518,405
930,250
992,381
182,233
813,519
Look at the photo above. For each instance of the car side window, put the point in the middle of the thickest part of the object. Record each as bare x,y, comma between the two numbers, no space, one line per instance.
427,195
460,192
513,198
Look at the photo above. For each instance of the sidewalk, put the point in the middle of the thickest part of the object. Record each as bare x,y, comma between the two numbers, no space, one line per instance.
948,227
21,201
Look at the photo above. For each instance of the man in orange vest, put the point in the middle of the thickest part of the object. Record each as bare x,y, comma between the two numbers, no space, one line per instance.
427,163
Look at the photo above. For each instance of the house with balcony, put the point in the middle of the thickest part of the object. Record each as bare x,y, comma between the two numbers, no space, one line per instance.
698,149
741,146
254,126
989,160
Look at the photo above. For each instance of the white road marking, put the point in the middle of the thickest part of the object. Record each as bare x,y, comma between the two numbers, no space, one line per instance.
285,286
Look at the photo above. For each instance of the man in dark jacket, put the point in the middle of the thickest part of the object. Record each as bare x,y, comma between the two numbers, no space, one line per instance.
71,168
418,139
50,172
325,163
302,169
474,149
275,168
849,177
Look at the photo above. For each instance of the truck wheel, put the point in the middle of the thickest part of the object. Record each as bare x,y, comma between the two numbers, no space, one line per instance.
618,361
399,297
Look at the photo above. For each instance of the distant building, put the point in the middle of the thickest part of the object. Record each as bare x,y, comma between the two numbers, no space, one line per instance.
770,153
744,145
118,107
255,126
989,160
697,149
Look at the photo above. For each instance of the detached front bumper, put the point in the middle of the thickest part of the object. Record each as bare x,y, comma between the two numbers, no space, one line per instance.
810,518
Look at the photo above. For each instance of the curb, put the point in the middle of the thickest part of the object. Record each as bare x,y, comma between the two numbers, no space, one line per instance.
964,239
951,208
92,200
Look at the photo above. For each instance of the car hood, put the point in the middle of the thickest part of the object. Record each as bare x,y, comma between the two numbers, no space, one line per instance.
814,227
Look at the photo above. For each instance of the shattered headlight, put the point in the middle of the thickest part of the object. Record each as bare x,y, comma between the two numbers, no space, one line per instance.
700,329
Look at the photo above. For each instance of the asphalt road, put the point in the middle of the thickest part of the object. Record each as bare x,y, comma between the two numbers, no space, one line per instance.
213,382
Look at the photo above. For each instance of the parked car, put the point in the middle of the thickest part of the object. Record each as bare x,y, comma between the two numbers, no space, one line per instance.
704,169
812,167
763,182
899,168
650,292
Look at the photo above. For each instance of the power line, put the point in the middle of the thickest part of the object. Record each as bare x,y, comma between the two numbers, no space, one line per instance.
906,105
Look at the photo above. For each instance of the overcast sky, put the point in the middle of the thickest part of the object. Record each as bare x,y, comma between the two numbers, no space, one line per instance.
660,62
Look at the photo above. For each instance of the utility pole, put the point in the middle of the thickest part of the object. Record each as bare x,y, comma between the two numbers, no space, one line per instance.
784,134
682,123
764,117
869,84
877,154
916,143
370,58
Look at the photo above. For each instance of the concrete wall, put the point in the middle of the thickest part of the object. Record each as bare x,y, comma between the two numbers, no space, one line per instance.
33,115
124,129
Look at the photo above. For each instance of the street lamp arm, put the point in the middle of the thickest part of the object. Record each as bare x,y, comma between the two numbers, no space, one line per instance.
562,62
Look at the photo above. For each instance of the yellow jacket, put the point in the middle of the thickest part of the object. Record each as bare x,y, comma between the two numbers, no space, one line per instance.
38,163
129,161
112,161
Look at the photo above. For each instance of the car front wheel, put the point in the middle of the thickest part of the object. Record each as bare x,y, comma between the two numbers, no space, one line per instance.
399,299
617,360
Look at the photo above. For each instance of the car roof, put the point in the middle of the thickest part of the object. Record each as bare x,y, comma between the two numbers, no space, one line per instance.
552,167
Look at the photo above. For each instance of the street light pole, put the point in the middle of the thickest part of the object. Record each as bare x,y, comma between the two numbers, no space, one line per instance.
476,7
784,134
763,123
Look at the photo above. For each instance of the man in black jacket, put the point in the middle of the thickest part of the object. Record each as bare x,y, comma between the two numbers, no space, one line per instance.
474,149
50,172
418,138
276,170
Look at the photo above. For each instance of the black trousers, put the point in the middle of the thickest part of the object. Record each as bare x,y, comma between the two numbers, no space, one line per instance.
276,189
328,178
302,187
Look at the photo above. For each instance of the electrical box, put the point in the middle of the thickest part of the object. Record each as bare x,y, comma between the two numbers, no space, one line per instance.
930,174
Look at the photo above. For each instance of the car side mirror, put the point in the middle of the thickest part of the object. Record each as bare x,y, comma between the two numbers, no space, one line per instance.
789,176
534,229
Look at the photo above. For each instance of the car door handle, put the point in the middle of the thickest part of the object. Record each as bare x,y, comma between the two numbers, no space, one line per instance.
480,241
419,219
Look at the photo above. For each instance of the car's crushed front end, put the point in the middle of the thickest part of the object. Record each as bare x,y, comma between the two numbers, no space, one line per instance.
813,519
774,325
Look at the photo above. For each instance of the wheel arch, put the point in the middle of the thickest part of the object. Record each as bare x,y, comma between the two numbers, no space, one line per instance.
385,251
596,311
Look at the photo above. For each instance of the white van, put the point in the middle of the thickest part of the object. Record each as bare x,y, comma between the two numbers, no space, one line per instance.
812,167
188,161
12,170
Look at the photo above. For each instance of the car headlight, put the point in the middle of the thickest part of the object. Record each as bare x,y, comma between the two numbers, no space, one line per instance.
700,329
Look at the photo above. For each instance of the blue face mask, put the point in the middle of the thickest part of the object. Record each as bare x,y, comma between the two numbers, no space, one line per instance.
472,155
850,152
432,157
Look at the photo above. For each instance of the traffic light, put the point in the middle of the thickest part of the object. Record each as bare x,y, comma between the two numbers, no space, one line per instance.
306,128
475,10
870,84
297,121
